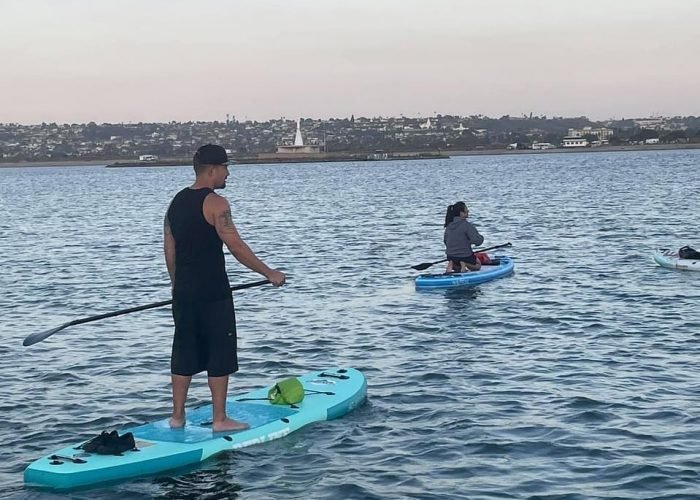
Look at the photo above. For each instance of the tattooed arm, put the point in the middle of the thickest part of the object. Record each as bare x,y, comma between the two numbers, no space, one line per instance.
169,249
226,229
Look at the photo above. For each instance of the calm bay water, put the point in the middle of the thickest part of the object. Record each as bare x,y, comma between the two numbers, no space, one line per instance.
577,377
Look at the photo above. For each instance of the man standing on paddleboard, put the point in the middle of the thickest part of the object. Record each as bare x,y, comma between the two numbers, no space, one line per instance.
197,225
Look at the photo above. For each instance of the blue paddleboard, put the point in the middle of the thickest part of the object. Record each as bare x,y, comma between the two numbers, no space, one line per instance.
330,394
504,267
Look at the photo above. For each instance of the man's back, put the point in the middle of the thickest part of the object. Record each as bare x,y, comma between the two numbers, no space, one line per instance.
200,272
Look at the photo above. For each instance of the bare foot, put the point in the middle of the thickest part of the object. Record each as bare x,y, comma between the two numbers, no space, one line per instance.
176,423
229,425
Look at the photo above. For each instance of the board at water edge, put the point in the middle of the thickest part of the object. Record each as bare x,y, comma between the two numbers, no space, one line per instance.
670,259
329,394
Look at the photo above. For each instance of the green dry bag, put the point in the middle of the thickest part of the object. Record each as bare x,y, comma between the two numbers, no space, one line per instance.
286,392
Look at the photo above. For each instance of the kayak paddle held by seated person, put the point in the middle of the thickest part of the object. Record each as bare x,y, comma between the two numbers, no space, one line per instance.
460,235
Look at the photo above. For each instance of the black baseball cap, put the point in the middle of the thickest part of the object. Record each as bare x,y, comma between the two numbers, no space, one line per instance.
211,154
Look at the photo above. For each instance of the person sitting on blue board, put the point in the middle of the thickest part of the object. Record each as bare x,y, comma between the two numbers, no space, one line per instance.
459,237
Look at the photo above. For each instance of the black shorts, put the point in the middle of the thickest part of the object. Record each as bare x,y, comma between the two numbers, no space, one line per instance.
456,260
205,338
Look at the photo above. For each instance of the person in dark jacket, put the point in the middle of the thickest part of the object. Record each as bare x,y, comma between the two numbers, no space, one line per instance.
460,235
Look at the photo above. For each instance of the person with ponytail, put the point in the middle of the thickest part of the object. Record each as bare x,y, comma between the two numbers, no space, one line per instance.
459,237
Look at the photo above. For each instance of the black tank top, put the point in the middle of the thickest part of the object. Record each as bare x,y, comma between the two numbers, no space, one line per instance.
200,271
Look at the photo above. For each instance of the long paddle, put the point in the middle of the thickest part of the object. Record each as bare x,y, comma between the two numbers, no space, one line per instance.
39,336
426,265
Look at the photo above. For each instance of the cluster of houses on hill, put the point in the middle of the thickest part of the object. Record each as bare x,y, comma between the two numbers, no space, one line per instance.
442,133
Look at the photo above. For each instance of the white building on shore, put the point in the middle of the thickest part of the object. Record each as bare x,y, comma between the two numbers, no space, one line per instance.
602,133
574,142
653,123
298,147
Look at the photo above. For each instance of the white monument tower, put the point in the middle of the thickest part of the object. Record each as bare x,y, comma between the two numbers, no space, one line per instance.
298,140
298,147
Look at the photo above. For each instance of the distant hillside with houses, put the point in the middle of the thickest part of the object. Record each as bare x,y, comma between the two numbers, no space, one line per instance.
445,133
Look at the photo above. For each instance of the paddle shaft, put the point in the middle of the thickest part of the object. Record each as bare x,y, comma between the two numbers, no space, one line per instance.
151,306
38,337
479,250
426,265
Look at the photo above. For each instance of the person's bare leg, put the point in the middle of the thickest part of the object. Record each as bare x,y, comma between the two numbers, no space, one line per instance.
220,422
449,267
181,385
474,267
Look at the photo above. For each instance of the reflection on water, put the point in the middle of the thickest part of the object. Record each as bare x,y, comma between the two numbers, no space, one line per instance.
210,482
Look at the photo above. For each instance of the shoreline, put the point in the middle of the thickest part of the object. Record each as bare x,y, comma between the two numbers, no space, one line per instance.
426,155
598,149
273,158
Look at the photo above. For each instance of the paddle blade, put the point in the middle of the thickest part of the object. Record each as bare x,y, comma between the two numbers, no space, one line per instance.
39,336
423,266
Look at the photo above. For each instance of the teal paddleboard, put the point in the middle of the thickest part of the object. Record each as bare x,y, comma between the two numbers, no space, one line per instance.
329,394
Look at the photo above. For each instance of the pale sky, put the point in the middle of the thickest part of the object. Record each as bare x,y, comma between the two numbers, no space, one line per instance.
161,60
